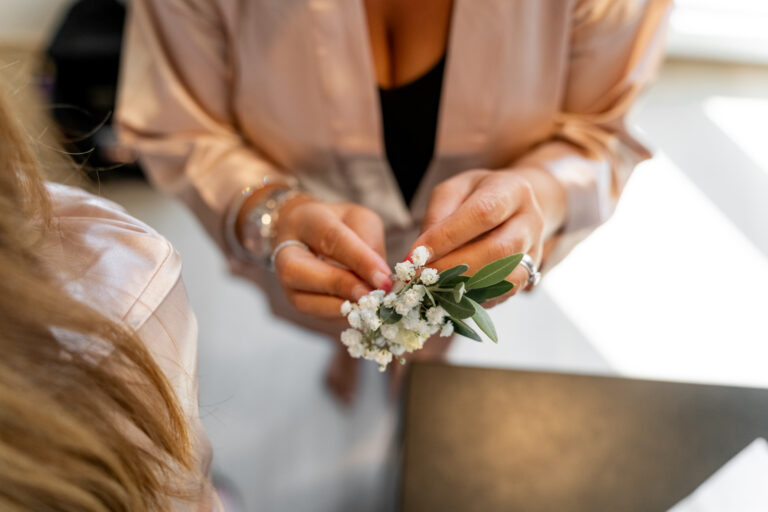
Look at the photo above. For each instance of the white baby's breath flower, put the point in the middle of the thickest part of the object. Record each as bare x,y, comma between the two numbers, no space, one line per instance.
405,270
411,320
424,329
403,307
419,256
447,329
356,351
436,314
389,300
346,308
429,276
383,357
370,319
410,340
380,341
371,301
354,319
389,331
396,349
378,295
351,337
415,295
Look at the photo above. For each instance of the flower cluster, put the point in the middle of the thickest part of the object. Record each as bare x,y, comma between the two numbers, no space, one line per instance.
384,326
423,303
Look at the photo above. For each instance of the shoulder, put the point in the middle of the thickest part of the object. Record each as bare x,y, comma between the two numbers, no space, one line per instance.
113,261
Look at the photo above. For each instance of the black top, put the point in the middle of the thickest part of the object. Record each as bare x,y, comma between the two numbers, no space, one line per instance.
409,115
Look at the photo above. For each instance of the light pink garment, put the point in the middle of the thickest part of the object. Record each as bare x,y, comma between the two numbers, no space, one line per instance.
217,93
127,271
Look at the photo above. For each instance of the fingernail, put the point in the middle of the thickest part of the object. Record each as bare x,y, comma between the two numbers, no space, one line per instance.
382,281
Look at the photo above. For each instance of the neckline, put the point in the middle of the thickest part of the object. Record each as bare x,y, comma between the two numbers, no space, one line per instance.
434,69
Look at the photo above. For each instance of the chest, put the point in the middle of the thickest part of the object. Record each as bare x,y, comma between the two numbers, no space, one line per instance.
306,71
406,38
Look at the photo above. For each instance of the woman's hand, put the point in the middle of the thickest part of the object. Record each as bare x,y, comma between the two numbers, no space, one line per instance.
347,259
479,216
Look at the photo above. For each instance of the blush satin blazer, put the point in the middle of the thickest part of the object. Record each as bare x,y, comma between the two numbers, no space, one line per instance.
216,94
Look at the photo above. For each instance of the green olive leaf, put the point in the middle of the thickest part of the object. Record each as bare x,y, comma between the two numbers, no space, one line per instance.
481,295
494,272
462,309
389,315
451,272
452,281
483,321
460,327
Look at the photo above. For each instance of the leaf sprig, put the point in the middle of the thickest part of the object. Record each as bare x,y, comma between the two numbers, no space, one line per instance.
462,296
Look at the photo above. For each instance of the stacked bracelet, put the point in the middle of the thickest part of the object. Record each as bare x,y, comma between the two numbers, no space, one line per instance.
259,226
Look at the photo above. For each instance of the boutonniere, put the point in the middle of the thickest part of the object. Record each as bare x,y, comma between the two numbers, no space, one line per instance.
423,303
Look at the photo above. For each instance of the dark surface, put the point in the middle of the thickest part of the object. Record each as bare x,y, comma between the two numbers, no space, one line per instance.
487,440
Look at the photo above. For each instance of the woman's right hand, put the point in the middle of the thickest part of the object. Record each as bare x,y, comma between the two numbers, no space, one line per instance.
347,258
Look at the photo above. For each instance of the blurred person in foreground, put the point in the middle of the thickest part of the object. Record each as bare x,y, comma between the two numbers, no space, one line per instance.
356,131
98,386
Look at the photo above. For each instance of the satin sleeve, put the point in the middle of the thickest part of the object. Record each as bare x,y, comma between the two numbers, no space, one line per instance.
170,335
612,56
174,107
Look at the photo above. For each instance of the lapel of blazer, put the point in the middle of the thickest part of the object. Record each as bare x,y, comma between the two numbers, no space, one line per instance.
354,115
471,84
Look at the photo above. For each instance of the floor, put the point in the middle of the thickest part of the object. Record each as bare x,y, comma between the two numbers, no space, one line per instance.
675,287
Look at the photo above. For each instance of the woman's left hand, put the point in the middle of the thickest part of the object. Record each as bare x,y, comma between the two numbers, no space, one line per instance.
479,216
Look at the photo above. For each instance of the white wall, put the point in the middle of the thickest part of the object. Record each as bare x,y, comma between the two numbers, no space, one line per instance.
28,22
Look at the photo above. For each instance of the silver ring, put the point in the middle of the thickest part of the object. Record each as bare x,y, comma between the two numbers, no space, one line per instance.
283,245
534,276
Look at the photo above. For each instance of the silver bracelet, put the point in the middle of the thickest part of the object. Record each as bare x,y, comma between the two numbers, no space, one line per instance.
257,240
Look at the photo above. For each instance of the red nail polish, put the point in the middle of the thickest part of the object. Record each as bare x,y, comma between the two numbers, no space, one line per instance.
387,285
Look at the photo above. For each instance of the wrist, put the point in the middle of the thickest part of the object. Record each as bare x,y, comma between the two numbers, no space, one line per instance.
249,223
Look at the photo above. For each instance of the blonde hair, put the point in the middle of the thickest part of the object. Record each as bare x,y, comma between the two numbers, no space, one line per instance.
79,431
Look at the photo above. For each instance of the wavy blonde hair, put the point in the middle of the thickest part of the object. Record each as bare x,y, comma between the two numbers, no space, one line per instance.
79,431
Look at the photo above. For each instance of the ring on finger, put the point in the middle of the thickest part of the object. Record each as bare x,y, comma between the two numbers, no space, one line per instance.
534,276
280,247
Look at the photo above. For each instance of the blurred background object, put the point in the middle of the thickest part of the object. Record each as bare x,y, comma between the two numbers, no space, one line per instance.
724,30
73,58
84,58
674,286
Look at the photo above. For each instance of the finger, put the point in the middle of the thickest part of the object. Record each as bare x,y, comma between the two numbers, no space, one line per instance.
368,226
300,270
330,237
447,197
484,210
518,235
315,304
